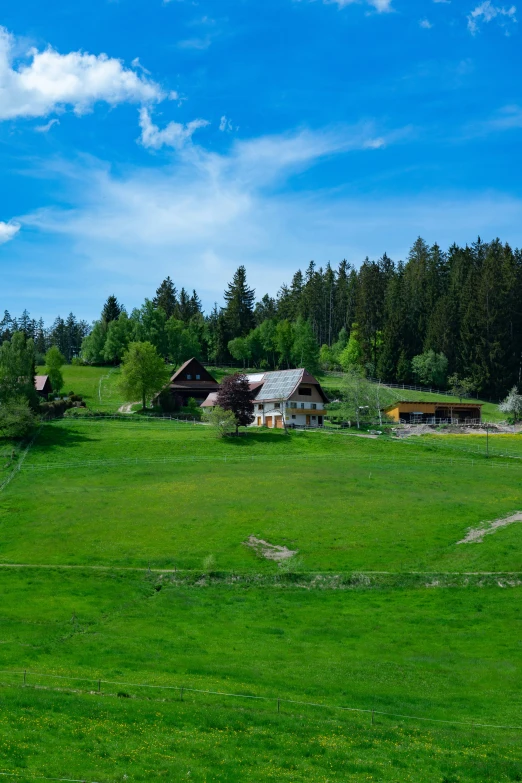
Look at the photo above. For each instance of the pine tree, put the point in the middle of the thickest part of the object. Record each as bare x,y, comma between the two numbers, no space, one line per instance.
239,309
166,297
183,310
111,309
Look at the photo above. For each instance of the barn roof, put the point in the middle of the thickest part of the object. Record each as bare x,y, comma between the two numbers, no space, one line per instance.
435,403
40,381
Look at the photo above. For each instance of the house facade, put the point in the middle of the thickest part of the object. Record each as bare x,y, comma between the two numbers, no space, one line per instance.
285,397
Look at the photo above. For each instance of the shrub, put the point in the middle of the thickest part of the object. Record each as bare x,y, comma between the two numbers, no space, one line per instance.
16,419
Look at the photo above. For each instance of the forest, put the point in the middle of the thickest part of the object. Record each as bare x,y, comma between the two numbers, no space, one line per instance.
426,319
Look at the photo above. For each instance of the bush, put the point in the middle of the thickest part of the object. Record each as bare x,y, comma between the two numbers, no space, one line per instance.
80,413
16,419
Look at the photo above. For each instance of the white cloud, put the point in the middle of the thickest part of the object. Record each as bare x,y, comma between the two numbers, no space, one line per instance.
379,5
225,125
175,134
425,24
486,12
8,231
207,209
47,127
49,81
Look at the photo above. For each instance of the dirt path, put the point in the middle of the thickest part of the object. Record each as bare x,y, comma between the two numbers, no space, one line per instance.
476,535
127,408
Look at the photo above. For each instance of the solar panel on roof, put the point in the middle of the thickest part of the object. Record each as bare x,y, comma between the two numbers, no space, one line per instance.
279,385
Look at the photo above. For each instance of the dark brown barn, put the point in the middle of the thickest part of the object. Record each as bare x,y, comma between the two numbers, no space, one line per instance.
42,384
192,380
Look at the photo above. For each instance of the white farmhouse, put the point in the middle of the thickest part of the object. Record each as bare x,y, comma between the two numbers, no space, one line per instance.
291,397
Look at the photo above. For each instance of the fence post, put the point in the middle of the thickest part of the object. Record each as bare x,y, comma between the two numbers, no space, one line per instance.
99,686
181,694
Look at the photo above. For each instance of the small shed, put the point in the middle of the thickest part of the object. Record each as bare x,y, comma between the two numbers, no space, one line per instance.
423,412
43,385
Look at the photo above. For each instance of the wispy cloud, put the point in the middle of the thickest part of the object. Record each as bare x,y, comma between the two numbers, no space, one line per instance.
379,5
48,125
175,134
49,82
425,24
209,209
505,119
487,12
225,125
8,231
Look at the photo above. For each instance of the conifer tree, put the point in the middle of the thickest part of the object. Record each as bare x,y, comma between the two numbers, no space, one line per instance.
239,309
111,309
166,297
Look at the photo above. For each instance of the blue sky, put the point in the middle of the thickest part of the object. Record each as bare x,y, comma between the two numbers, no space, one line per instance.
145,138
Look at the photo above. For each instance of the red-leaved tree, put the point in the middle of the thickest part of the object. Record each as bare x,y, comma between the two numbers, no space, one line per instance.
234,395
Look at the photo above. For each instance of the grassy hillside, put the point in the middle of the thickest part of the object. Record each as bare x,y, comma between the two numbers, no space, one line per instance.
118,492
431,654
110,497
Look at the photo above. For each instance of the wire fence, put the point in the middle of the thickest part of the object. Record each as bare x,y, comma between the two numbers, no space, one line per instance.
277,701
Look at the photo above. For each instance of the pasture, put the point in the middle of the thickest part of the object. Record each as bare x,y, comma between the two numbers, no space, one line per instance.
122,544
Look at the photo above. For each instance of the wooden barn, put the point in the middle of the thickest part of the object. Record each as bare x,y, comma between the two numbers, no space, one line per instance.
191,380
411,412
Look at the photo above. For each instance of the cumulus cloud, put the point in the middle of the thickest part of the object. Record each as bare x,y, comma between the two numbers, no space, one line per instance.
8,231
487,12
175,134
48,81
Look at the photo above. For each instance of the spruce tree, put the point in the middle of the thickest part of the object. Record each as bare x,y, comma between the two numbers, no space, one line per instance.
166,297
239,309
111,309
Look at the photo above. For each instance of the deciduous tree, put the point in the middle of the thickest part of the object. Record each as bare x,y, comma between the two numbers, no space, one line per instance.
234,395
143,372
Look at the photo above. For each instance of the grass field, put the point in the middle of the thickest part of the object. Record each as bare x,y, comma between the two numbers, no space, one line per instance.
361,618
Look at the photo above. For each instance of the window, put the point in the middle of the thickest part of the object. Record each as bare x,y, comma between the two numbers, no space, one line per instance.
293,415
314,418
259,407
189,377
304,391
198,377
302,405
277,405
314,406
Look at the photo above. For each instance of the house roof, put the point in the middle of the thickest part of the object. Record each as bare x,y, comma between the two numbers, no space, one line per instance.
281,384
40,382
211,401
196,368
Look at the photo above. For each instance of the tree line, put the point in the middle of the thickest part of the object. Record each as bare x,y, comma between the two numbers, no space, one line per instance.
65,334
438,318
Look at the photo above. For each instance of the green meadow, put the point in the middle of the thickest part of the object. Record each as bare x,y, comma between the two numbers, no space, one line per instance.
124,564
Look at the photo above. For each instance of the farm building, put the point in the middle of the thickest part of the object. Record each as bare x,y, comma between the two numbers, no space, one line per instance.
408,412
42,384
191,380
293,397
